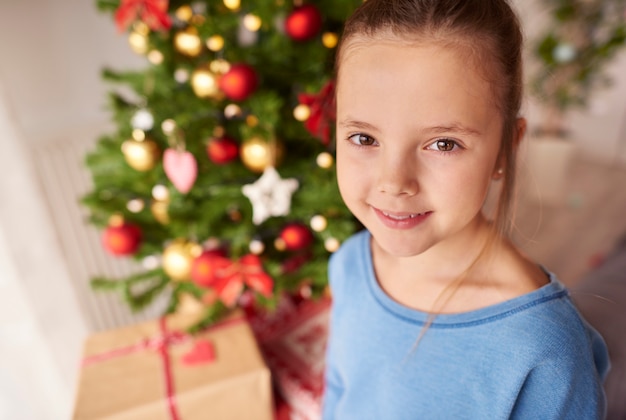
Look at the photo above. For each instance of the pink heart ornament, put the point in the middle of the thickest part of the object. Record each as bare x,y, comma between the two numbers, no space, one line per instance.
202,352
181,168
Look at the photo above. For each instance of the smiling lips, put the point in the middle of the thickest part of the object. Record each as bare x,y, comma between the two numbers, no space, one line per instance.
401,220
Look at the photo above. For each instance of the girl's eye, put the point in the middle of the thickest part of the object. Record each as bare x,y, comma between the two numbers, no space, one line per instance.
362,140
444,145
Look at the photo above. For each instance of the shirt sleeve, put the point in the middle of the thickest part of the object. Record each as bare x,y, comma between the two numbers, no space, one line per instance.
557,390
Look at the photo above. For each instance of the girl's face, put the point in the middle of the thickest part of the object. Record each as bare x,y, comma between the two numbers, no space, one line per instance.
418,139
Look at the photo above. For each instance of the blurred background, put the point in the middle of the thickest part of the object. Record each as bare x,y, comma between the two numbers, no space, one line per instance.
52,110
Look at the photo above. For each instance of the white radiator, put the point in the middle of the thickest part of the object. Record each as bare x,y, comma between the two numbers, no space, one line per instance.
64,179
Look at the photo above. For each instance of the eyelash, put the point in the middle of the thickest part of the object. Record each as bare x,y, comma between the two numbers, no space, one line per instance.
456,147
355,140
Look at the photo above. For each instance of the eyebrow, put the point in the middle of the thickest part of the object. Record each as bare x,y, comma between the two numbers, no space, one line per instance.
454,128
361,125
438,129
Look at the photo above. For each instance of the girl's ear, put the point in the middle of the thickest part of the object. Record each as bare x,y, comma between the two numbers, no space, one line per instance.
520,131
518,136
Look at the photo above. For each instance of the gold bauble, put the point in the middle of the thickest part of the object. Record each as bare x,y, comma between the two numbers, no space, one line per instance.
204,83
257,154
188,42
178,257
232,4
141,155
160,212
138,42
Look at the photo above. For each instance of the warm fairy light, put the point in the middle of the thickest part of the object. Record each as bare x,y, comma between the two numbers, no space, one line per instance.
232,4
215,43
181,75
252,120
155,57
325,160
160,192
318,223
280,244
302,112
135,205
331,244
139,135
330,39
257,247
232,111
168,126
219,66
252,22
204,83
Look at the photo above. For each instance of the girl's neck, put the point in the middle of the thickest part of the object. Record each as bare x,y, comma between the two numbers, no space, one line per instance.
468,272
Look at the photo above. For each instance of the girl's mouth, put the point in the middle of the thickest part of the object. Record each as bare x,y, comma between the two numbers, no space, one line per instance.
401,220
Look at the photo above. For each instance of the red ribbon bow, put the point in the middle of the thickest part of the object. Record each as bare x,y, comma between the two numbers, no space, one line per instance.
152,12
323,112
231,276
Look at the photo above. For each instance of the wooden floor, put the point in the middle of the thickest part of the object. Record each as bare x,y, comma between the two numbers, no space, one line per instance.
570,236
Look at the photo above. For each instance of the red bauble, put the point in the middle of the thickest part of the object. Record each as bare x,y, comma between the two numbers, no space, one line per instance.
205,267
121,239
303,23
239,82
296,236
222,150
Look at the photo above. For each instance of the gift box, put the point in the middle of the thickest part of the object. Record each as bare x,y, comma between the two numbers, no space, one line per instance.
293,341
155,370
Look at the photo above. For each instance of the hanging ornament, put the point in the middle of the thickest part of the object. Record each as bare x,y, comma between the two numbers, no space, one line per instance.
204,268
141,155
258,154
233,275
330,40
256,246
321,111
270,195
152,13
303,23
121,238
188,42
222,150
178,257
204,83
232,4
184,13
159,210
215,43
239,82
296,236
138,42
181,168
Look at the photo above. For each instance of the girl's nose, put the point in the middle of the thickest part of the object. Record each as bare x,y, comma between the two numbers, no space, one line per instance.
398,176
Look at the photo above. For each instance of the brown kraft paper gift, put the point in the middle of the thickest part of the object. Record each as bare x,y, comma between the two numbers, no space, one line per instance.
156,371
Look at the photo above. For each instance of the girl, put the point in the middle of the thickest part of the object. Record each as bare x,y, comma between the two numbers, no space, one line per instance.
435,314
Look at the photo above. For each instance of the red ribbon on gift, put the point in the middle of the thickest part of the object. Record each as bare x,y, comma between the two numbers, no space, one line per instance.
160,344
323,111
231,276
152,12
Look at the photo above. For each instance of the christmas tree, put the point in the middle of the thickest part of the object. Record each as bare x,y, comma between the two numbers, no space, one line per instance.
220,175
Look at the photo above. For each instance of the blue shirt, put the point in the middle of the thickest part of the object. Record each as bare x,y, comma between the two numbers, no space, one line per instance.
531,357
